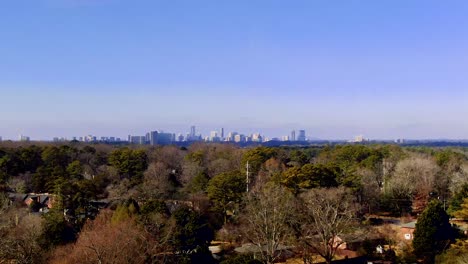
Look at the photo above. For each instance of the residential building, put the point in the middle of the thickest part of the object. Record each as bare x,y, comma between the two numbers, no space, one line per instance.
407,230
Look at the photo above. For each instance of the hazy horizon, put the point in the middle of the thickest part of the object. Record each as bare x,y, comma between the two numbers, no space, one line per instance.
383,69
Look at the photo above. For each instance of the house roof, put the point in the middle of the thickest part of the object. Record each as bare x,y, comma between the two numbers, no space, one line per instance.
409,225
251,248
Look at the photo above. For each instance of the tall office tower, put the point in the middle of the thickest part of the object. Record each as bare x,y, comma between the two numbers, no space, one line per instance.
136,139
165,138
214,136
153,137
192,131
230,136
293,135
359,138
239,138
256,137
0,139
24,138
222,133
301,136
180,137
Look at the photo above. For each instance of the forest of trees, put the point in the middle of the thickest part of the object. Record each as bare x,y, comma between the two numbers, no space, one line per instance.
168,204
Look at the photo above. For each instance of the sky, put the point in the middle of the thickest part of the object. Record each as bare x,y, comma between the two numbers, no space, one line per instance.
383,69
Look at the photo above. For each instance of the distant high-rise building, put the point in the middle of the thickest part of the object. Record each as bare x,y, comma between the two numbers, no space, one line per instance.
165,138
214,136
301,136
222,133
192,136
359,139
153,137
180,137
239,138
0,139
230,136
293,135
192,131
24,138
136,139
257,137
285,138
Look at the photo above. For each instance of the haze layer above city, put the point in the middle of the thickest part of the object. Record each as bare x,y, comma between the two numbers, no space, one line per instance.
337,69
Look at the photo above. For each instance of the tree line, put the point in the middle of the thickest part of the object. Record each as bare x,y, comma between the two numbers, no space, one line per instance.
167,204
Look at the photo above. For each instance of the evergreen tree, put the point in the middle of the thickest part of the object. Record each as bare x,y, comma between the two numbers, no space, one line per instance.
433,232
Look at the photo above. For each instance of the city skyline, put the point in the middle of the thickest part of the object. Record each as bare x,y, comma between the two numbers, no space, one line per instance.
386,70
192,134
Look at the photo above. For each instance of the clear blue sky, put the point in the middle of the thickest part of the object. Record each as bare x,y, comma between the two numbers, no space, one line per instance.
385,69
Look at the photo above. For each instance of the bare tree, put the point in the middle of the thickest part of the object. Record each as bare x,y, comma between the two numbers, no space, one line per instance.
103,242
371,188
159,182
19,234
459,178
414,178
266,217
329,216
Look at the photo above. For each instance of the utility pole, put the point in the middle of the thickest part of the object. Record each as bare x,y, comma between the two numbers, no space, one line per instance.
247,181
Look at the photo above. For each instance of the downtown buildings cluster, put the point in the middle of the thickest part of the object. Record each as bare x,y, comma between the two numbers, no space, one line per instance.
163,138
159,137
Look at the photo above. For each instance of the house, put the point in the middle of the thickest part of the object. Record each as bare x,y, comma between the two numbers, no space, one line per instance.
339,243
38,200
407,230
44,200
284,252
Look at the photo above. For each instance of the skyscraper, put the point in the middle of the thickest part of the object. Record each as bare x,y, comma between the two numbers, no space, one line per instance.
222,133
192,131
136,139
24,138
301,136
153,137
293,135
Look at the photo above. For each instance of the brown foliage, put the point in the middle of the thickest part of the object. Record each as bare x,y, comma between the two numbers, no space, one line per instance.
103,242
19,233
